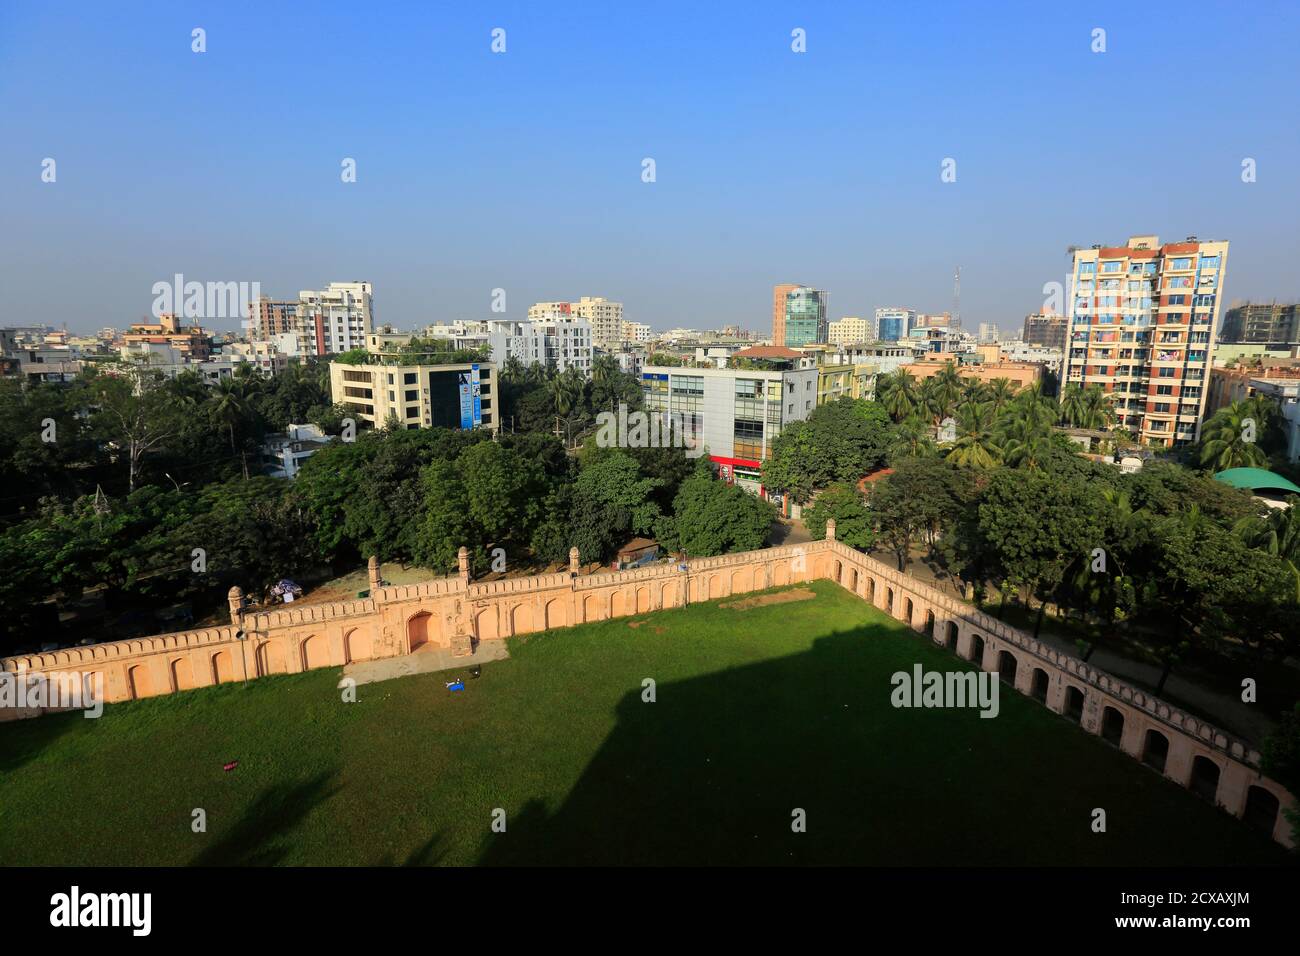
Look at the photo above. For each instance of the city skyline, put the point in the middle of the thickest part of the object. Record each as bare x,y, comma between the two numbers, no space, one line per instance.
223,177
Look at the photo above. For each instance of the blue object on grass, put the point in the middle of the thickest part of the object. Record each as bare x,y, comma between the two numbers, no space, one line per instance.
456,685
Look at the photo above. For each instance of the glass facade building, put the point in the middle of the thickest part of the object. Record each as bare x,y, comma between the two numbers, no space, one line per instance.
805,318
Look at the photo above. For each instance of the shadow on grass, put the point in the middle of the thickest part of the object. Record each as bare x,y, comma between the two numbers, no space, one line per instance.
23,740
264,835
715,770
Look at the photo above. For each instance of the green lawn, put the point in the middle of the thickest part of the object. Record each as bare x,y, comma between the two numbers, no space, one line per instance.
758,711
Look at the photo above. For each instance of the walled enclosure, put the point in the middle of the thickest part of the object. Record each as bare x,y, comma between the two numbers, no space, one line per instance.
456,613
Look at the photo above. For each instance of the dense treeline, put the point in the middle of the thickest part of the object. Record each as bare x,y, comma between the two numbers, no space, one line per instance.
1007,508
149,496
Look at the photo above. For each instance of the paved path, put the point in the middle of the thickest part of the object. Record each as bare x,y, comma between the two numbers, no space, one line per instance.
426,660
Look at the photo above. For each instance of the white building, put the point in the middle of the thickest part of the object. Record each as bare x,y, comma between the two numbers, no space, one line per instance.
637,332
562,343
285,452
738,413
335,319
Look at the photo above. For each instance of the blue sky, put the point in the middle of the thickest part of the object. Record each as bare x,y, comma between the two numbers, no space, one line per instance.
523,170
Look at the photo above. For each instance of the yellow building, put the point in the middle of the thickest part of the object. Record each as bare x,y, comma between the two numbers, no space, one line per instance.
418,396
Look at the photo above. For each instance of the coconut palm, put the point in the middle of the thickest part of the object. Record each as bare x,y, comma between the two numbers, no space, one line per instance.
898,393
1277,534
999,392
567,392
976,446
1072,403
1096,410
945,387
230,406
1231,437
604,378
915,437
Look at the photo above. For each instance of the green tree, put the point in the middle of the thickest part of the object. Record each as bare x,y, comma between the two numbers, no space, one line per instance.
713,517
853,522
1037,525
609,503
840,441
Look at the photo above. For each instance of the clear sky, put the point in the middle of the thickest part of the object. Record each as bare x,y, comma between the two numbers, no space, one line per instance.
522,170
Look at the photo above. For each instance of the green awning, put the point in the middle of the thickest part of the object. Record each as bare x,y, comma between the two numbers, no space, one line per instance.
1256,479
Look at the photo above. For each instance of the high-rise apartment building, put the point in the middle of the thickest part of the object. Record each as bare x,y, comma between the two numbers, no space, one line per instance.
605,317
606,320
1142,321
894,324
1270,323
849,330
803,318
335,319
1046,329
269,318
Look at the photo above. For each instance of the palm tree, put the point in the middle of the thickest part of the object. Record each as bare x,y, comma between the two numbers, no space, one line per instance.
1072,403
914,437
229,404
1097,411
1231,437
1277,534
567,391
975,446
898,393
604,378
947,389
1000,391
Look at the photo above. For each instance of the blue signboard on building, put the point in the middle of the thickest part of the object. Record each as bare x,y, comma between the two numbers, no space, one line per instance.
471,401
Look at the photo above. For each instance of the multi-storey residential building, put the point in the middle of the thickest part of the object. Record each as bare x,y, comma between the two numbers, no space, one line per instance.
335,319
988,332
193,342
560,343
849,330
834,381
428,396
1142,321
893,324
1046,329
1280,382
637,332
737,412
543,310
604,317
804,319
1270,323
269,318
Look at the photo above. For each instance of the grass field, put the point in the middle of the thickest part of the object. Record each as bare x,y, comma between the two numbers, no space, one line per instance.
759,710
